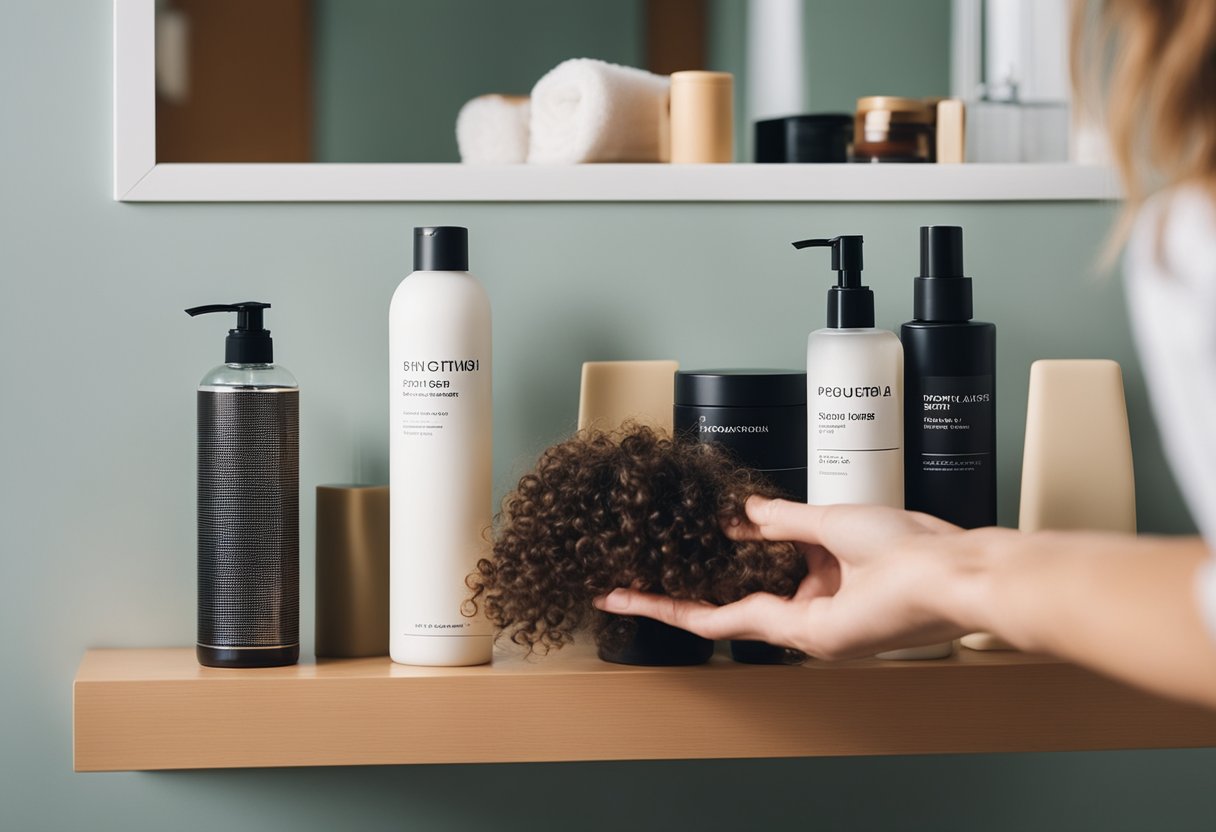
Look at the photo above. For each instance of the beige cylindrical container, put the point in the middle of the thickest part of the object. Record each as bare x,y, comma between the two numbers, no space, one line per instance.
951,130
352,571
702,117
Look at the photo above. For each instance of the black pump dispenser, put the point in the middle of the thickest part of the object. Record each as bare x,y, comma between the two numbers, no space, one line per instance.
850,305
250,342
942,292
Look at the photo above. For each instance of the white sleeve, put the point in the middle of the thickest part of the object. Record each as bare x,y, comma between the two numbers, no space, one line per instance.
1171,277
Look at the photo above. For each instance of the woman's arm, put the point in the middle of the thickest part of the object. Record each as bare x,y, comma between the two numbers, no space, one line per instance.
882,578
1123,605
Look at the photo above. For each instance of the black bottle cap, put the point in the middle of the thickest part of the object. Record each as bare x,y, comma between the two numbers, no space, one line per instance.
249,343
942,292
850,305
740,388
941,251
441,248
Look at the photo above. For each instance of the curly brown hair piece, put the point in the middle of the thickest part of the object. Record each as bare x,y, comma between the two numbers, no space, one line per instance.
632,508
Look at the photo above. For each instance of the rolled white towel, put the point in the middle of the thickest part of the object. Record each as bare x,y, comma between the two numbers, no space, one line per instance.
584,110
493,130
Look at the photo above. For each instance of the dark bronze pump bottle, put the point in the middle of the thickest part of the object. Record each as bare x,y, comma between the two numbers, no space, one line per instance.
949,391
248,502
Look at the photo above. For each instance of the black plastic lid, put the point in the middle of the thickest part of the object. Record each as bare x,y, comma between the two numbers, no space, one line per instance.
850,305
740,388
441,248
942,292
249,343
820,137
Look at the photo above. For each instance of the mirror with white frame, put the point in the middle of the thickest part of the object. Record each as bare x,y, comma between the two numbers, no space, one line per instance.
357,99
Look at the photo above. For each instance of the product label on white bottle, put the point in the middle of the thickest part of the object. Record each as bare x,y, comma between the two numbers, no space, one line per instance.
856,444
427,389
439,400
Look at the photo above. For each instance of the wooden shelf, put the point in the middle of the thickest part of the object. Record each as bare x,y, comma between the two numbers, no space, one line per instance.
157,709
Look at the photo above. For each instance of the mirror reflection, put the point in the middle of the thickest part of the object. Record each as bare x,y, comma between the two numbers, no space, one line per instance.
385,80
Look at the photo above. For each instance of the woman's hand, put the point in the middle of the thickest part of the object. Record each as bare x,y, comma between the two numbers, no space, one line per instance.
879,578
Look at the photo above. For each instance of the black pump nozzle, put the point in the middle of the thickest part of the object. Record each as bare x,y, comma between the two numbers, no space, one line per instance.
250,342
846,257
850,305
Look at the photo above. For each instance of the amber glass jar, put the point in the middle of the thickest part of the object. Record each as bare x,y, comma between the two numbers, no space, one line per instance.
891,129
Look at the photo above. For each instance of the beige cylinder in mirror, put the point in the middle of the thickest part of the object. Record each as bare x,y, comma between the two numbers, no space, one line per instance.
702,117
1077,464
352,571
951,131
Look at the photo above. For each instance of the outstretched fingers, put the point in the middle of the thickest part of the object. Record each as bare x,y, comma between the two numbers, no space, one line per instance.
769,519
761,617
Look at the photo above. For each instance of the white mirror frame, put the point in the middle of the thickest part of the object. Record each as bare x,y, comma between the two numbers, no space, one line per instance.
138,177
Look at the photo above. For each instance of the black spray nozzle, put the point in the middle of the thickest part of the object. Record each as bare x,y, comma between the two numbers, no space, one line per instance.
850,305
942,292
941,251
250,342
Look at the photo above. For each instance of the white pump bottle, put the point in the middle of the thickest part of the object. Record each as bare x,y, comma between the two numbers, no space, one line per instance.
855,404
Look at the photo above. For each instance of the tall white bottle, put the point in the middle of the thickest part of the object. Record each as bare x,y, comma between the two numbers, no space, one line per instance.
855,403
440,435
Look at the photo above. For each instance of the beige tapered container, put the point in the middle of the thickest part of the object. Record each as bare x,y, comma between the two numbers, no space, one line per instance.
613,393
702,117
1077,465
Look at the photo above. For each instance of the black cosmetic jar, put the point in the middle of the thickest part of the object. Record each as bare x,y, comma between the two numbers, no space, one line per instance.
759,416
821,137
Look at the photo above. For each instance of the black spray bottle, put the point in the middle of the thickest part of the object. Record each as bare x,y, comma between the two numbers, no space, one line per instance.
248,501
949,391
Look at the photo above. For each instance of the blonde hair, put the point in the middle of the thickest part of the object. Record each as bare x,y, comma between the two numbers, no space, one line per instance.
1146,69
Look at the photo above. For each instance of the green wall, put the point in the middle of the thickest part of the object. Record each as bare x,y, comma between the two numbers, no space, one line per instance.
388,90
97,450
875,47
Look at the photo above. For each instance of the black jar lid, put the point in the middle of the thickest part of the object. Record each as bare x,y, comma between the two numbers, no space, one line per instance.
819,137
740,388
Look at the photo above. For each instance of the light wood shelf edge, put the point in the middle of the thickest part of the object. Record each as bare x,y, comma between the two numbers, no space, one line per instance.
148,709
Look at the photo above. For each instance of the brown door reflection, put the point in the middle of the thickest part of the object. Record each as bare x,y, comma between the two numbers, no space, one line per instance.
245,94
